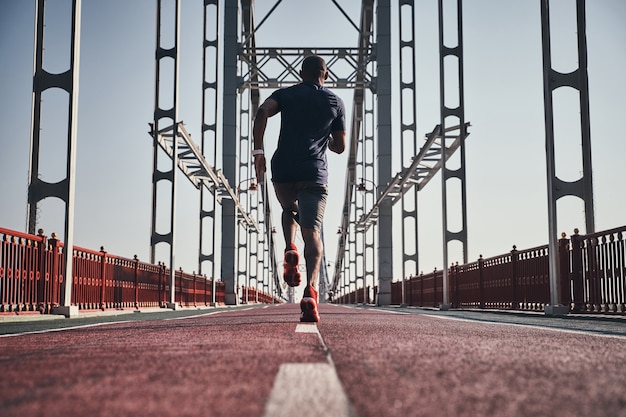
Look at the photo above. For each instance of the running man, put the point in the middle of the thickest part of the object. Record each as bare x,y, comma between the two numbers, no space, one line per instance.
312,120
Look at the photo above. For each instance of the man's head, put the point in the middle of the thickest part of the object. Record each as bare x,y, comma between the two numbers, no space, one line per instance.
314,69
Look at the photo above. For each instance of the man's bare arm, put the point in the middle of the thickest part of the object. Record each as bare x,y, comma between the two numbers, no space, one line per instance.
268,109
337,142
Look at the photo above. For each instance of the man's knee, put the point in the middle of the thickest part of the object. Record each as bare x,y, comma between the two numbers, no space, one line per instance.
311,237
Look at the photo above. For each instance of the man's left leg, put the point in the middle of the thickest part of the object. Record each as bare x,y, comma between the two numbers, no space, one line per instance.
313,250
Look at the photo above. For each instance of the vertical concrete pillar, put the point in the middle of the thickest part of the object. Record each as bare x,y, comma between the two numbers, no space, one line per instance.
383,88
39,189
557,188
229,148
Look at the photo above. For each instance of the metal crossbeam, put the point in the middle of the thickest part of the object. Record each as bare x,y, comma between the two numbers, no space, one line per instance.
192,163
345,67
423,168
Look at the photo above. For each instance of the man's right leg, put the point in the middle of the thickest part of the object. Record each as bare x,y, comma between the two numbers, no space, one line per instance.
313,251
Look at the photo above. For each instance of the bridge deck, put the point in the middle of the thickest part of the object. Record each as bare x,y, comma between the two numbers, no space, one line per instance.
357,361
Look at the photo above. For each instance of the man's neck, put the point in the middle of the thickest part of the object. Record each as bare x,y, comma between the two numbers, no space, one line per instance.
318,82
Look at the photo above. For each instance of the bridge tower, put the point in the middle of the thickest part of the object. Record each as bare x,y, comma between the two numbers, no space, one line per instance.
247,233
38,188
558,188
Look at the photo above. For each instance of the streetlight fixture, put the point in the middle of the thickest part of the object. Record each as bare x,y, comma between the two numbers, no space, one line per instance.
361,186
252,187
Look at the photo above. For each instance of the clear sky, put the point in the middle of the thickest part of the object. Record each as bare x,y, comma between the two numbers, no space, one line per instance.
505,163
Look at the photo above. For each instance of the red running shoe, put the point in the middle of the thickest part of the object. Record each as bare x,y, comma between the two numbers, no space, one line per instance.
308,305
291,273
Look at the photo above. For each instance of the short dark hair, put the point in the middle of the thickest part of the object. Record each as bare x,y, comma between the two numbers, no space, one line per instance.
313,65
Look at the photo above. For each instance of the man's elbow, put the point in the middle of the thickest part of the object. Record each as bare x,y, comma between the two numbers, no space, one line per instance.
338,143
261,114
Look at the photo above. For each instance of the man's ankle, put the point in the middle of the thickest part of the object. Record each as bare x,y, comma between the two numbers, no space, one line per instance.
310,291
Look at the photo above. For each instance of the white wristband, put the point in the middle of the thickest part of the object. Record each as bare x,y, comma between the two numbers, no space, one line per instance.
256,152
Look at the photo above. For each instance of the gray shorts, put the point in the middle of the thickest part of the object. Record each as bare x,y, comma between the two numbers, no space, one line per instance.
306,199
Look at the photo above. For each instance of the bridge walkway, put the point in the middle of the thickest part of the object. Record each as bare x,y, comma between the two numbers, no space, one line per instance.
358,361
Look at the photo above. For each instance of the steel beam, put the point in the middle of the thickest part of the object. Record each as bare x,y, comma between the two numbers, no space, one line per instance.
192,164
262,73
384,159
424,166
229,146
365,39
166,116
208,202
458,113
408,136
39,189
557,188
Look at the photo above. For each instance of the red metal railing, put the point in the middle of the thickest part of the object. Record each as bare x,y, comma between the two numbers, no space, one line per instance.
29,272
31,279
599,271
592,278
355,297
517,280
253,295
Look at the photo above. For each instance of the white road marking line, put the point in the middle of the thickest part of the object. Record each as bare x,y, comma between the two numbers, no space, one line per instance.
532,326
63,329
308,388
311,389
84,326
198,315
378,310
307,328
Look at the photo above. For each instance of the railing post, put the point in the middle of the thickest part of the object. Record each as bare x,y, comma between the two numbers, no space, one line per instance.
481,282
565,285
213,292
451,284
43,305
593,274
54,274
180,286
195,304
514,265
421,289
457,277
403,291
435,298
21,276
577,272
136,259
205,289
410,292
161,284
103,278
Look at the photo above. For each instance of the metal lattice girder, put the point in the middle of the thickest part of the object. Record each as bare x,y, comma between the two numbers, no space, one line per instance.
284,63
422,169
365,39
192,163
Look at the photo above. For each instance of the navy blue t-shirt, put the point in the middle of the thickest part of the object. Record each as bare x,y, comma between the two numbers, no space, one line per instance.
309,113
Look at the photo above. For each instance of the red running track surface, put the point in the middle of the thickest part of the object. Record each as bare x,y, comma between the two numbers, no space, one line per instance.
224,363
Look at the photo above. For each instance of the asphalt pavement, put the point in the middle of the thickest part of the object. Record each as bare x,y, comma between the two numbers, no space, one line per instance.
255,360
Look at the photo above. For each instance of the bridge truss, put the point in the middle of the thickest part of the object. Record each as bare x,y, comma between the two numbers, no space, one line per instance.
247,234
